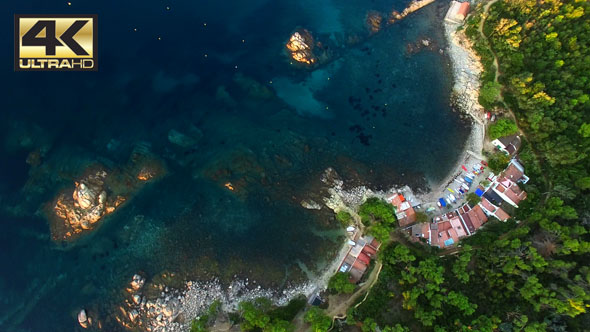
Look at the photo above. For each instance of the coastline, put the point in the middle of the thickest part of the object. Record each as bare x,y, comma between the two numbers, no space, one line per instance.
196,297
466,68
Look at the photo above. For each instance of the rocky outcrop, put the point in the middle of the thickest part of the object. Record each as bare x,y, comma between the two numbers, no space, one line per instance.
83,319
87,204
300,47
310,204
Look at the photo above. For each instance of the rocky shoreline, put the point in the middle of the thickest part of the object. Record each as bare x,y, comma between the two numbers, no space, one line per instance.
174,309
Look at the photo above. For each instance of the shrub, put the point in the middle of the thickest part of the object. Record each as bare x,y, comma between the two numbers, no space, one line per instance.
501,128
344,217
339,283
473,199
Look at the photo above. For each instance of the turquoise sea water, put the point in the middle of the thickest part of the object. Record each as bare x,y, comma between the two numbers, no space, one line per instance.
375,114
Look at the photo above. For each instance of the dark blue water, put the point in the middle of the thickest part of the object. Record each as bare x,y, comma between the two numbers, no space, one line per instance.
375,114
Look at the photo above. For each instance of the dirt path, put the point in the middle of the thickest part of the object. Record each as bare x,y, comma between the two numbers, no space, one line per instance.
484,16
339,306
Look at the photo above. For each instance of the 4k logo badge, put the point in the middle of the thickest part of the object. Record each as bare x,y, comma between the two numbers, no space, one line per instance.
55,42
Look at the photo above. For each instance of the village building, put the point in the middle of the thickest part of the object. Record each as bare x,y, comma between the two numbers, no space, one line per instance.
359,257
446,230
404,210
457,12
508,144
515,172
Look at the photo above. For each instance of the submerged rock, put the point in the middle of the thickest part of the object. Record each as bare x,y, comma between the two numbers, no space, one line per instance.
180,139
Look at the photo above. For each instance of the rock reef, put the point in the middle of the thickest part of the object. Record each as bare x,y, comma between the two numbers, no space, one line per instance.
99,192
87,204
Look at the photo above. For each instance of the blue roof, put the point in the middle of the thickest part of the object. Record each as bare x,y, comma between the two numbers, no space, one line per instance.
449,242
442,202
478,192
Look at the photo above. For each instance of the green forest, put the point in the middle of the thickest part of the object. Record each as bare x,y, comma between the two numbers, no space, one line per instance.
531,273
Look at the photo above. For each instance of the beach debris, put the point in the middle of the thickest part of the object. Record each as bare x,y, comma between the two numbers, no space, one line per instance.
301,46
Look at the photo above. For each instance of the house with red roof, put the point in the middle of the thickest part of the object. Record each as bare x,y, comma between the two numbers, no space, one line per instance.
359,257
509,191
457,12
404,211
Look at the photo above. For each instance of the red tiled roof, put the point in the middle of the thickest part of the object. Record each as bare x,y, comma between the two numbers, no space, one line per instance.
369,250
375,244
502,215
477,217
363,257
464,9
444,226
514,197
359,265
512,173
411,214
480,214
468,222
489,206
453,235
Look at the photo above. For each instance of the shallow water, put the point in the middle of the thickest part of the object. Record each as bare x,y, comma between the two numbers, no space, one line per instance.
375,114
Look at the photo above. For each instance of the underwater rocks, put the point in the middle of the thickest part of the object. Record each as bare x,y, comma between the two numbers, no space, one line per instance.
300,47
183,140
252,87
421,44
87,205
374,20
99,192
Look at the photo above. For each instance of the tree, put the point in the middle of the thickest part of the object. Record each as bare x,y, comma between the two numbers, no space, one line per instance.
421,217
255,313
339,283
498,162
375,210
473,199
502,127
489,93
319,321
